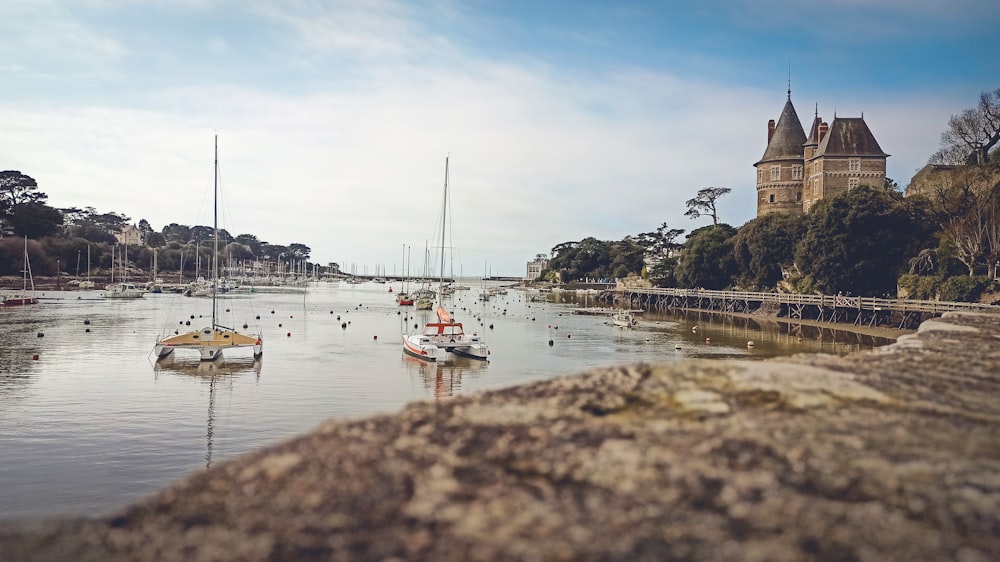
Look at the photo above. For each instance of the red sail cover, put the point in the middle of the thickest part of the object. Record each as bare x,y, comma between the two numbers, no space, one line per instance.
443,314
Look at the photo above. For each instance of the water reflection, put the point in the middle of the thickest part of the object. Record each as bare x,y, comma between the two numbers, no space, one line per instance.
443,380
214,373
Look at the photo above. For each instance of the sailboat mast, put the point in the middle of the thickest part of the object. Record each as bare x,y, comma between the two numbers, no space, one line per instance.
444,217
215,230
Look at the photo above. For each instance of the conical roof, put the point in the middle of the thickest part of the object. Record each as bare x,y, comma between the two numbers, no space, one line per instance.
788,137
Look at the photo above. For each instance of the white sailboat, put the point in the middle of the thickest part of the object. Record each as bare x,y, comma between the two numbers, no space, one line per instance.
211,341
444,339
87,284
124,289
26,296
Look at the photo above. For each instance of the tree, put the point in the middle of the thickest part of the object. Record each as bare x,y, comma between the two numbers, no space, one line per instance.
704,203
93,226
660,246
35,220
707,260
860,241
972,133
17,189
765,246
174,232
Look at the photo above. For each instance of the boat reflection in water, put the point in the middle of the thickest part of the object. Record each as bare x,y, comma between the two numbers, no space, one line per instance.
213,373
443,379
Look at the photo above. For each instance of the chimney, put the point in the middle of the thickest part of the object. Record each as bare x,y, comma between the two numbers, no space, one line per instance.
823,128
770,129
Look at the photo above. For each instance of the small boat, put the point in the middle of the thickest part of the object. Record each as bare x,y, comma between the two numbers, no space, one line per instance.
26,296
403,299
443,338
210,341
123,290
624,319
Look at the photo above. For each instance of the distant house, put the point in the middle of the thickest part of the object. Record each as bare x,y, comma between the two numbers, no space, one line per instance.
796,171
931,178
536,267
130,236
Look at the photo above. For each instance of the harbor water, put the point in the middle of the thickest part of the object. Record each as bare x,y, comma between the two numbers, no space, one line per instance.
90,422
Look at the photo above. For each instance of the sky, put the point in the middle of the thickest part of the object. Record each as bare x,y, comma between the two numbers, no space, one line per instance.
560,120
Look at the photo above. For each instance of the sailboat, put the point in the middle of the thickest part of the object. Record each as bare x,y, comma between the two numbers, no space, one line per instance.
25,297
444,339
124,289
87,284
211,341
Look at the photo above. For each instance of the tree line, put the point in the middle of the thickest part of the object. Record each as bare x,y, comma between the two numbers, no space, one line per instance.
871,240
63,238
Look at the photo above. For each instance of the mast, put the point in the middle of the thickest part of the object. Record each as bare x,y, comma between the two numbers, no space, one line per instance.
444,218
215,230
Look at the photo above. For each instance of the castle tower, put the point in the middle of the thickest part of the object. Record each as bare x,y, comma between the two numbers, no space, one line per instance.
846,156
780,170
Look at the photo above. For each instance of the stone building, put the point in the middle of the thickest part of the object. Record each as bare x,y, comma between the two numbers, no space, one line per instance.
797,170
130,236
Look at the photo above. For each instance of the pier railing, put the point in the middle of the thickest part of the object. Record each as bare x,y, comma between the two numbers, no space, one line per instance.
830,308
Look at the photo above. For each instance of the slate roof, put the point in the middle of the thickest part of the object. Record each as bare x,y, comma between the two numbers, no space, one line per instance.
788,136
849,136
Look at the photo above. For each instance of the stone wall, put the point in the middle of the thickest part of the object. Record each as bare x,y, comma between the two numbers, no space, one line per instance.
892,454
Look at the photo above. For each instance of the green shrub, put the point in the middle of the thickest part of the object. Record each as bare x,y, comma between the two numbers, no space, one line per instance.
921,287
964,288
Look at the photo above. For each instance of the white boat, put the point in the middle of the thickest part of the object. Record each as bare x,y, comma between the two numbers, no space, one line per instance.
123,290
211,341
26,296
624,319
444,339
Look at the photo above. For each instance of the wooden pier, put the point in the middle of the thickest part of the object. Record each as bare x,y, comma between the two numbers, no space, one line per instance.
860,311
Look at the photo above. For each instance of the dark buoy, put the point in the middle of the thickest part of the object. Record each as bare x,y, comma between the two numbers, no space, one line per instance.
258,317
187,322
344,325
290,316
192,317
87,330
244,326
414,326
375,338
569,336
551,343
86,322
34,357
41,335
279,324
272,312
227,310
338,317
491,326
289,334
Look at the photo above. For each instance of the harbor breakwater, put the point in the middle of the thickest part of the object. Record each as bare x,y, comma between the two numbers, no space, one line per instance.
890,454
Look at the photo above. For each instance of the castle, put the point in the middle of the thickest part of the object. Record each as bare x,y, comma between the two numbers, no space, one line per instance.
796,171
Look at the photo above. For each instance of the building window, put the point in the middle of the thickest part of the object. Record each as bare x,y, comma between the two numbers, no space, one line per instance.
771,198
796,172
760,175
852,183
775,173
815,188
854,165
798,196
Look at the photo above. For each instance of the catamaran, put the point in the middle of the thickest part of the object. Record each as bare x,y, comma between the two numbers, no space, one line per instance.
211,341
444,338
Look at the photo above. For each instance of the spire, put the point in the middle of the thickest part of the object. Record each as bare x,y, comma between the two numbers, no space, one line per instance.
789,79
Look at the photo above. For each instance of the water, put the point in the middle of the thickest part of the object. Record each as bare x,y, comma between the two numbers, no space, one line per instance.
94,423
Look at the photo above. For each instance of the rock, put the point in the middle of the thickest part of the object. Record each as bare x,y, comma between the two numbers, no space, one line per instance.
892,454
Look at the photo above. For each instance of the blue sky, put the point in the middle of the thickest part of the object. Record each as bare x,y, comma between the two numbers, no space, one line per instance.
563,119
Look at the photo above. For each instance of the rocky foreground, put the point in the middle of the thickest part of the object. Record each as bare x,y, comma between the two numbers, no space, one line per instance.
885,455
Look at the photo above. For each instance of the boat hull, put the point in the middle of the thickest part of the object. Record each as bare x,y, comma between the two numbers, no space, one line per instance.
208,343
